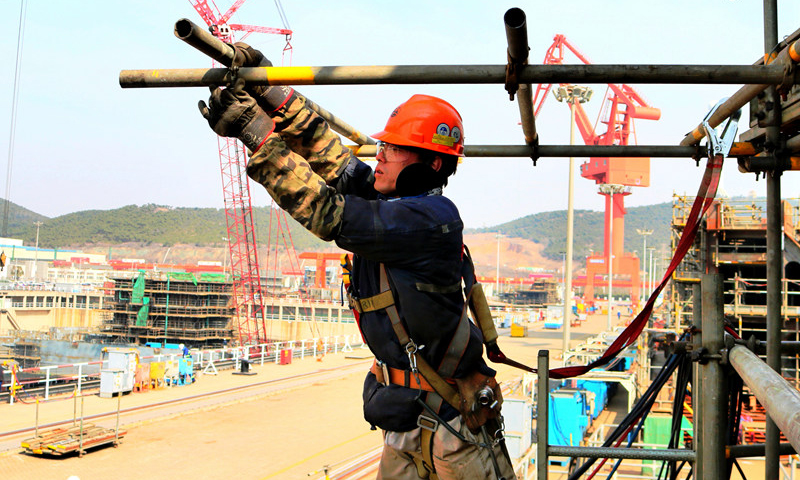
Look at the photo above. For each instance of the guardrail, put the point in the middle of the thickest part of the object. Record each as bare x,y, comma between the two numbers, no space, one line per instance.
229,357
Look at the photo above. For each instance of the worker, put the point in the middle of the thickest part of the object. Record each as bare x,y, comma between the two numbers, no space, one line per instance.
408,264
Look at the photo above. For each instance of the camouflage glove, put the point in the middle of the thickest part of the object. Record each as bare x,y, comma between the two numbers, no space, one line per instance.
269,98
232,112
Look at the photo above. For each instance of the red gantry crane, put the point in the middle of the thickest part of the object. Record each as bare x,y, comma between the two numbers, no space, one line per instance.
621,105
247,292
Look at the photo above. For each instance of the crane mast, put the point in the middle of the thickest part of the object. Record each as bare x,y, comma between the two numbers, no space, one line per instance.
248,295
621,105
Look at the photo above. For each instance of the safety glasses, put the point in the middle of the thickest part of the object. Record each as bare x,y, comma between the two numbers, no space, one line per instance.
397,154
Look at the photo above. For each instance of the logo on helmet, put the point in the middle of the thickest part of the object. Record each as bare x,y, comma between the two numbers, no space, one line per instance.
443,137
456,134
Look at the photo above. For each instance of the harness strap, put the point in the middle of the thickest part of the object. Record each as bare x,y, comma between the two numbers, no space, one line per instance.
426,446
370,304
447,392
386,375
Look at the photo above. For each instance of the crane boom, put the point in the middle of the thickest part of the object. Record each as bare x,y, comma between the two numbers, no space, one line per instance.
248,295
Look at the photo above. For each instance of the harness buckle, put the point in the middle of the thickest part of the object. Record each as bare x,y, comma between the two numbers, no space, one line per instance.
353,302
411,351
385,371
427,423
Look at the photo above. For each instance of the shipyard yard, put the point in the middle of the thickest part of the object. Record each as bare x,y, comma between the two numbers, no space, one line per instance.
301,418
654,337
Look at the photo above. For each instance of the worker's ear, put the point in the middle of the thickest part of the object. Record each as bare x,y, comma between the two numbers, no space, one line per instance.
436,164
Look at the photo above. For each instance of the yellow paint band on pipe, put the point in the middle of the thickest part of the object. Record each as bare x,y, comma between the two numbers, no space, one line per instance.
794,51
290,75
770,57
742,149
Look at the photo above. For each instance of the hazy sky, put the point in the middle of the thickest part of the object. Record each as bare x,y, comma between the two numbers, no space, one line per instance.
84,143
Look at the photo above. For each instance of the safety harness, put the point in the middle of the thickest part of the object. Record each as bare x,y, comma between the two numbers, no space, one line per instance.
438,382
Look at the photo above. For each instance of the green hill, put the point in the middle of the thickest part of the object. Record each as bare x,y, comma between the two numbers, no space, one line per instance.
549,228
20,220
150,224
160,225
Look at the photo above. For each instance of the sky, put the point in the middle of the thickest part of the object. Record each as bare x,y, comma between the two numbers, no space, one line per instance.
83,143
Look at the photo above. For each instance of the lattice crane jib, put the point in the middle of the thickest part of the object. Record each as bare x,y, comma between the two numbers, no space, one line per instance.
247,291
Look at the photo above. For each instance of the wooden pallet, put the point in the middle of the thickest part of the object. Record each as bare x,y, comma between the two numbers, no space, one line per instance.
61,441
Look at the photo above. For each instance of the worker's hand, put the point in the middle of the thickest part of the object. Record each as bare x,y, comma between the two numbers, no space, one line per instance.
268,97
247,56
232,112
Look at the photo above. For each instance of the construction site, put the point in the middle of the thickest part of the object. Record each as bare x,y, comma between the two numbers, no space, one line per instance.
685,368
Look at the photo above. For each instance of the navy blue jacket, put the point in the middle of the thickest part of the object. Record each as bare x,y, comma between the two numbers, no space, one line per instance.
419,240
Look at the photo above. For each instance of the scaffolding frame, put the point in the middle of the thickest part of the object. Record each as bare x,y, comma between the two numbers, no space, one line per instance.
768,150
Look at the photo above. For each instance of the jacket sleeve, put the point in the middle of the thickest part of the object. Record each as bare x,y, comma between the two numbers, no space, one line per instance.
296,188
309,135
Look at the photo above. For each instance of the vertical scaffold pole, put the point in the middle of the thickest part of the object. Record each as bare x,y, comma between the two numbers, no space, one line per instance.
774,222
697,381
542,414
714,391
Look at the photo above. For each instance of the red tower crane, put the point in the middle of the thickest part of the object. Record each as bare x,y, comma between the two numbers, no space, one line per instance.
621,105
247,292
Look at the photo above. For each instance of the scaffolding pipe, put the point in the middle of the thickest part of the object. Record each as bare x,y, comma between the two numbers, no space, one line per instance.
517,36
715,390
756,450
772,121
697,379
223,53
566,151
678,455
793,144
779,398
542,414
790,54
457,74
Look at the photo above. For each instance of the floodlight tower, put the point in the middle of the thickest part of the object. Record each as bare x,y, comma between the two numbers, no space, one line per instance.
621,105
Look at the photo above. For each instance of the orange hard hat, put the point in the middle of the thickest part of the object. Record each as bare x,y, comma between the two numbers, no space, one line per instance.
425,122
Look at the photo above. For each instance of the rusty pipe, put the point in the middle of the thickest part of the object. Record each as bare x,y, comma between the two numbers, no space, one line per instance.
204,41
458,74
780,399
790,54
223,53
517,36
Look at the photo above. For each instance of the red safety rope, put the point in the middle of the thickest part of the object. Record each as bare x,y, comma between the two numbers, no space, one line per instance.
705,196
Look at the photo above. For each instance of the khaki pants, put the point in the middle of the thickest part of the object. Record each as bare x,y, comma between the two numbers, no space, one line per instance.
452,458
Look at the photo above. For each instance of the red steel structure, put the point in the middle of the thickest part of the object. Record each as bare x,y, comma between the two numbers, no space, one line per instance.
621,105
247,292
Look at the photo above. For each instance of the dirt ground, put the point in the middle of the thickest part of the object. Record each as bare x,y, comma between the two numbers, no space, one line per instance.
293,433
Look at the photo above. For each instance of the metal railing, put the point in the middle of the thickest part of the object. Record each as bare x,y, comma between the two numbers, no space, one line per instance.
230,357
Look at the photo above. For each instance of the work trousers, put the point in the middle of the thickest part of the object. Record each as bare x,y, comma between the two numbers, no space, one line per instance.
453,458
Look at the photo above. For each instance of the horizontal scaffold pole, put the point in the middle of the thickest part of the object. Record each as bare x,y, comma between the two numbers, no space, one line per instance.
677,455
653,151
457,74
780,400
